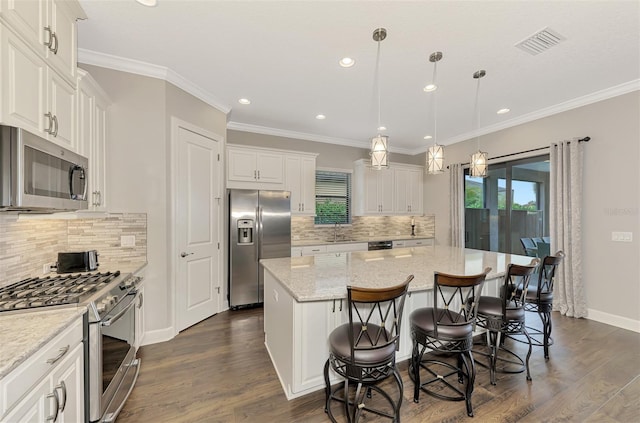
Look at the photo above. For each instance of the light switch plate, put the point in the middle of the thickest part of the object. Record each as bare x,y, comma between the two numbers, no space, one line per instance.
622,236
127,240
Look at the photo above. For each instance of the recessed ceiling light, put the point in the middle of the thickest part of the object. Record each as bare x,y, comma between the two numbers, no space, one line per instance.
382,128
503,111
430,87
427,137
321,117
149,3
347,62
244,101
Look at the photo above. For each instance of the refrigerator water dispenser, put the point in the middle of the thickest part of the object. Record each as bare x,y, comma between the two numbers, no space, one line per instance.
245,231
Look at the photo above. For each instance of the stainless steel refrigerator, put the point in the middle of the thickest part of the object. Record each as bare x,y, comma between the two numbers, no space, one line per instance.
259,227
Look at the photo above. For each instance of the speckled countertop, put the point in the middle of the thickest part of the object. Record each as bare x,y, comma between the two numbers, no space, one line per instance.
307,242
23,333
326,276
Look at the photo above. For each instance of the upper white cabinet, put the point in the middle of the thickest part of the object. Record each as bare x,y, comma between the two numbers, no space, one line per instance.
254,168
38,67
393,191
92,104
408,190
373,190
300,179
49,28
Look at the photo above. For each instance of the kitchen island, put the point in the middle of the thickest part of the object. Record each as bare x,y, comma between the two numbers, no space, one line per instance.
305,299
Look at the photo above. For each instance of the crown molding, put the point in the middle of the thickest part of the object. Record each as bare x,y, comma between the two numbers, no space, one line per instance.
153,71
595,97
245,127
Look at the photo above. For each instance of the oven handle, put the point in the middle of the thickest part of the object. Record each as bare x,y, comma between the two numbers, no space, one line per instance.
121,313
111,418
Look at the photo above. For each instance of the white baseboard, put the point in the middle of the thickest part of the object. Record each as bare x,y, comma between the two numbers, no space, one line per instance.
614,320
157,336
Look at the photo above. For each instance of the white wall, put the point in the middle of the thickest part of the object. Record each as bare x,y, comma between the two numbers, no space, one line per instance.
610,203
138,169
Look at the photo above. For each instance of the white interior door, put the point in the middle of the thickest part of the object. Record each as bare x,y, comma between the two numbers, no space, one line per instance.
198,213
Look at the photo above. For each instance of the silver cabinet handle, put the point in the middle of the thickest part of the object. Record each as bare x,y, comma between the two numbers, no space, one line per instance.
140,300
55,38
255,174
50,42
258,175
63,389
54,395
49,130
340,304
183,254
333,307
55,120
63,351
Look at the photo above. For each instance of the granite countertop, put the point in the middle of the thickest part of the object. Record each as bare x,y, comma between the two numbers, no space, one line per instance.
24,333
307,242
326,276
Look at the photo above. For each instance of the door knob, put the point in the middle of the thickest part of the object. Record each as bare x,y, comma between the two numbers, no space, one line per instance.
183,254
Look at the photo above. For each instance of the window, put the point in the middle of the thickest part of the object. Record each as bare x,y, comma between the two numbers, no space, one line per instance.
333,197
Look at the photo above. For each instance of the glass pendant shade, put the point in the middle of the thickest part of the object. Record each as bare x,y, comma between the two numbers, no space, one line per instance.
479,164
379,152
435,159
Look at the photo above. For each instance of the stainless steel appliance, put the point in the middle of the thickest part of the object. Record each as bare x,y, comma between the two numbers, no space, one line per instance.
110,360
83,261
36,175
380,245
259,227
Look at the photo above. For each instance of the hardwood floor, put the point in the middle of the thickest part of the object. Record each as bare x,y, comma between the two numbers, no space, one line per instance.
219,371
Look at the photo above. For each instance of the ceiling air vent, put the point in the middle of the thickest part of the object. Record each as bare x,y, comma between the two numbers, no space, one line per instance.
540,41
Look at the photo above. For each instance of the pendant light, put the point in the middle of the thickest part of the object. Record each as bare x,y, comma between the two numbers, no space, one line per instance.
479,166
379,143
435,153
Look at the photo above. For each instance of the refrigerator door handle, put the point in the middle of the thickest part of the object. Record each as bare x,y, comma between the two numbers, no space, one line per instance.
259,228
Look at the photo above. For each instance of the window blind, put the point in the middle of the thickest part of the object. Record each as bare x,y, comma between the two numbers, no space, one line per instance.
333,198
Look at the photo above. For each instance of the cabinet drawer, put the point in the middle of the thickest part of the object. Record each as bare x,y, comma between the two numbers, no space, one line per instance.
344,248
19,381
314,249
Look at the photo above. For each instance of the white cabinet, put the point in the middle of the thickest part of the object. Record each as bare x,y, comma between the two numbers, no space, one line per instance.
300,179
254,168
347,247
373,194
408,243
393,191
408,190
49,28
92,104
311,250
296,251
49,383
34,97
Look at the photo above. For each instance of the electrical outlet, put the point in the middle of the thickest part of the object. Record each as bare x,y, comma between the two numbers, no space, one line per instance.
622,236
48,268
296,237
127,240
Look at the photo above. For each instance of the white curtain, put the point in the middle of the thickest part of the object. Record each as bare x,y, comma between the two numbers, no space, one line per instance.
456,212
566,227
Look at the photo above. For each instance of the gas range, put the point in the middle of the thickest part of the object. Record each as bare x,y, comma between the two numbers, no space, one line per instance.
100,291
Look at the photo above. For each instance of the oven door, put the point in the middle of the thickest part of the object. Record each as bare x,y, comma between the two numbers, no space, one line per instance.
112,363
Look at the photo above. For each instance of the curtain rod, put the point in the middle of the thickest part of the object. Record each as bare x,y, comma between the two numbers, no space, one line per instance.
585,139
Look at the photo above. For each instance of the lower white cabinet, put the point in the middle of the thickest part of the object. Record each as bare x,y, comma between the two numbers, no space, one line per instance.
49,386
408,243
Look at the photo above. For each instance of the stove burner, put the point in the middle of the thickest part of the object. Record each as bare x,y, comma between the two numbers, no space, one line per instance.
50,291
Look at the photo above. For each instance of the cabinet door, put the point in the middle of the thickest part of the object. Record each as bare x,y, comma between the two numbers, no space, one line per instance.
293,183
401,191
36,407
27,18
68,381
371,202
415,191
62,55
62,105
308,185
270,168
98,155
241,165
385,190
24,96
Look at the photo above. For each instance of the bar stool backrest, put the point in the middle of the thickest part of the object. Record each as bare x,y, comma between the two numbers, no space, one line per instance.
547,273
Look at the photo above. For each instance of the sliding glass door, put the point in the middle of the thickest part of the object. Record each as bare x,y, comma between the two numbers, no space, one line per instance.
512,202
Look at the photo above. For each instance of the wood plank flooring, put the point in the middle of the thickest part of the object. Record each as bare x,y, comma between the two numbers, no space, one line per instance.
219,371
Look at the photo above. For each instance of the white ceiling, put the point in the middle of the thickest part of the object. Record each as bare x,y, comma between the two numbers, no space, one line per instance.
283,56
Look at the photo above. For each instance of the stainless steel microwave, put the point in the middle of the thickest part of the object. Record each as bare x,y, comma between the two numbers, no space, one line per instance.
37,175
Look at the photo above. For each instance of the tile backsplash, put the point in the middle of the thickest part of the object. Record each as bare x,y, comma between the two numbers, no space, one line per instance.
362,227
27,245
